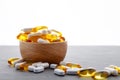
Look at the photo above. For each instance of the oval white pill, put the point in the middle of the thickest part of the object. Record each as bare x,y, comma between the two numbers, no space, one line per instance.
113,71
72,70
59,72
26,30
53,66
45,65
38,69
40,40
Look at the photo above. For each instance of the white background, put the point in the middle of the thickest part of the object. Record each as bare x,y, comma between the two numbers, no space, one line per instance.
83,22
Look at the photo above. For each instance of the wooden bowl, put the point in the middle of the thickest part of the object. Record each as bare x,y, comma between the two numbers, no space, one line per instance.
43,52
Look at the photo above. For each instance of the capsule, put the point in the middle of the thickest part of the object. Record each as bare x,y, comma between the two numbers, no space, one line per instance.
17,61
51,37
22,36
89,72
35,29
69,64
62,67
12,60
101,75
24,67
56,32
73,65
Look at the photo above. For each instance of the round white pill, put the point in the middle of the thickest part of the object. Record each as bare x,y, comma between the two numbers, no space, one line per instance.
36,64
38,69
31,68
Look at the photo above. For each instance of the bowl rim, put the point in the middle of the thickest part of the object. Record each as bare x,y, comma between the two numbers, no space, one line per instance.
43,43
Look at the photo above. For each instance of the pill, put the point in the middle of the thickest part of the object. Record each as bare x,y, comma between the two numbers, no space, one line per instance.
63,63
26,30
53,66
17,65
62,67
59,72
51,37
12,60
70,64
17,61
22,36
72,71
31,68
113,71
38,69
40,40
115,67
35,29
45,31
24,67
36,64
34,37
73,65
56,32
45,65
101,75
86,72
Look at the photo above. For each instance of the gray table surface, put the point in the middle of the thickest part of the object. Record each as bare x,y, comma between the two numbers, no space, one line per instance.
88,56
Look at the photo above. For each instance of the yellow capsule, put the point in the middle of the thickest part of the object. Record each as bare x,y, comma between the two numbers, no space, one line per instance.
101,75
73,65
118,69
24,67
86,72
56,32
35,29
22,36
51,37
12,60
62,67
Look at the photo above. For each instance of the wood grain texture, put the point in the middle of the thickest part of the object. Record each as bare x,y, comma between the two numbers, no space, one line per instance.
44,52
